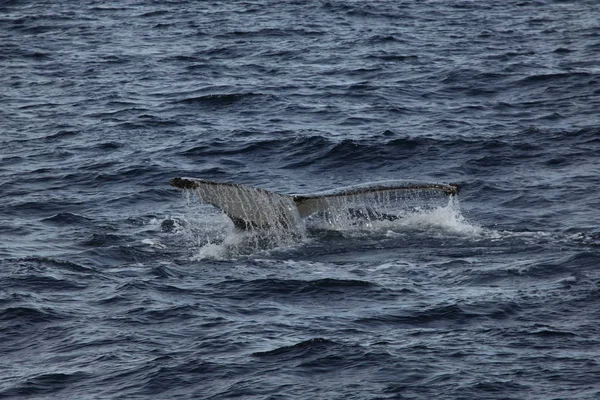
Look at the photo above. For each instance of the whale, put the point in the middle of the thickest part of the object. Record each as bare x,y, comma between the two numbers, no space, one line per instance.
252,208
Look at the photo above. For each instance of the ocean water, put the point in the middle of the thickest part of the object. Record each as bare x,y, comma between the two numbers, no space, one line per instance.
115,285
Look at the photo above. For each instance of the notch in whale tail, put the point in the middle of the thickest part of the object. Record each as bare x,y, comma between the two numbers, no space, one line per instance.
255,208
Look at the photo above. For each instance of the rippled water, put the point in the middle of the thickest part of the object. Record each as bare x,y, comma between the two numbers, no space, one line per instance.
115,285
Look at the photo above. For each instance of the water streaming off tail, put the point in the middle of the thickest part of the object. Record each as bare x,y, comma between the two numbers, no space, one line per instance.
384,209
262,220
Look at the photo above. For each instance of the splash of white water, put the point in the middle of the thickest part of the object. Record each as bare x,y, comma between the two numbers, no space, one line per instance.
448,218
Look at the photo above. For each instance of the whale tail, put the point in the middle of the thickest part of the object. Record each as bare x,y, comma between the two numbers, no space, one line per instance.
255,208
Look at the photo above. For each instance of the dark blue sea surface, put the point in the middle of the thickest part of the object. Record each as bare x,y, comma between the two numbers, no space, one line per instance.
114,285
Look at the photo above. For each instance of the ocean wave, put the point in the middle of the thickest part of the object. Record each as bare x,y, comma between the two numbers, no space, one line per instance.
326,152
19,315
218,100
67,219
313,346
50,383
445,315
269,288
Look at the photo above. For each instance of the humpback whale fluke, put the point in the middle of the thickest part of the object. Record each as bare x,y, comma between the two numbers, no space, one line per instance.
255,208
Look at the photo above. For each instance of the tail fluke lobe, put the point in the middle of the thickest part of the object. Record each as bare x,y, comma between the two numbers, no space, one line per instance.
248,207
371,195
